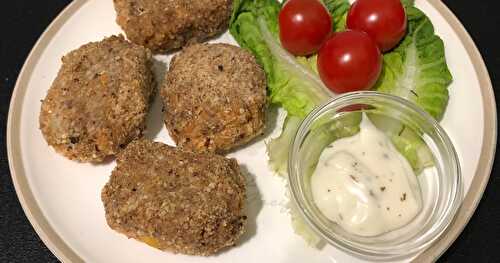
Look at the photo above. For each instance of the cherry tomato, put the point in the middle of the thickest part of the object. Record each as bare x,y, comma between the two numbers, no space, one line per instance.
304,26
349,61
383,20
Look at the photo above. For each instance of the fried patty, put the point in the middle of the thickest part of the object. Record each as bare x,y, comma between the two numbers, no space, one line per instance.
176,201
164,25
214,98
99,100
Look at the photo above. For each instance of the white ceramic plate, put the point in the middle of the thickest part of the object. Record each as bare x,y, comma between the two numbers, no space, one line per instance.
62,198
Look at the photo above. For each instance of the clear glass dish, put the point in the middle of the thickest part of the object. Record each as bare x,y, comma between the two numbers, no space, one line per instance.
441,184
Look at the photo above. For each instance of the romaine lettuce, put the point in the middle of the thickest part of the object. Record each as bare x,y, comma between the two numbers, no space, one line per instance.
338,9
416,70
254,25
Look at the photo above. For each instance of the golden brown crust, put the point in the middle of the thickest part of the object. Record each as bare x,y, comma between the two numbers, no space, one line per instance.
164,25
214,98
174,200
99,100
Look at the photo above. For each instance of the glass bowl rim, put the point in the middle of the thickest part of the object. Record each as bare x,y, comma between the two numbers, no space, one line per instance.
354,247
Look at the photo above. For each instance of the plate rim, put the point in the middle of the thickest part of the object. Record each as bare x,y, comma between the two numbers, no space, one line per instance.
488,149
47,234
65,253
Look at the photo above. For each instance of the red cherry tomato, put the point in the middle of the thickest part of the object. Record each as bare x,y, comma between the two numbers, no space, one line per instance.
383,20
349,61
304,26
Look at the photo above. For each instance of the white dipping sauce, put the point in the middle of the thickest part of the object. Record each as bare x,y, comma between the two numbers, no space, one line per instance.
365,185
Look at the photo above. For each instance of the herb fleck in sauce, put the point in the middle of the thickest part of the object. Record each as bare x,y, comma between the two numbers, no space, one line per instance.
359,169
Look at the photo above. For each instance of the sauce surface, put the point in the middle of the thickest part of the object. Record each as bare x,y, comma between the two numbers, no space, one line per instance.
365,185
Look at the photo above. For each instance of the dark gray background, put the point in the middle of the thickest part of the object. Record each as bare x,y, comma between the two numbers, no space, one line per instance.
23,21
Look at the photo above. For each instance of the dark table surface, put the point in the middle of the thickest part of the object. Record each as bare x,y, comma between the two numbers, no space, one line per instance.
23,21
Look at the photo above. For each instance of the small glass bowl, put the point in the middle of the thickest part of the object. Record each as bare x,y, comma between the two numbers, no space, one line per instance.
441,185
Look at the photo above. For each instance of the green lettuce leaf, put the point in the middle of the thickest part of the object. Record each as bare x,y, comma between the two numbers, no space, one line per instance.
309,62
406,139
416,69
279,148
338,9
